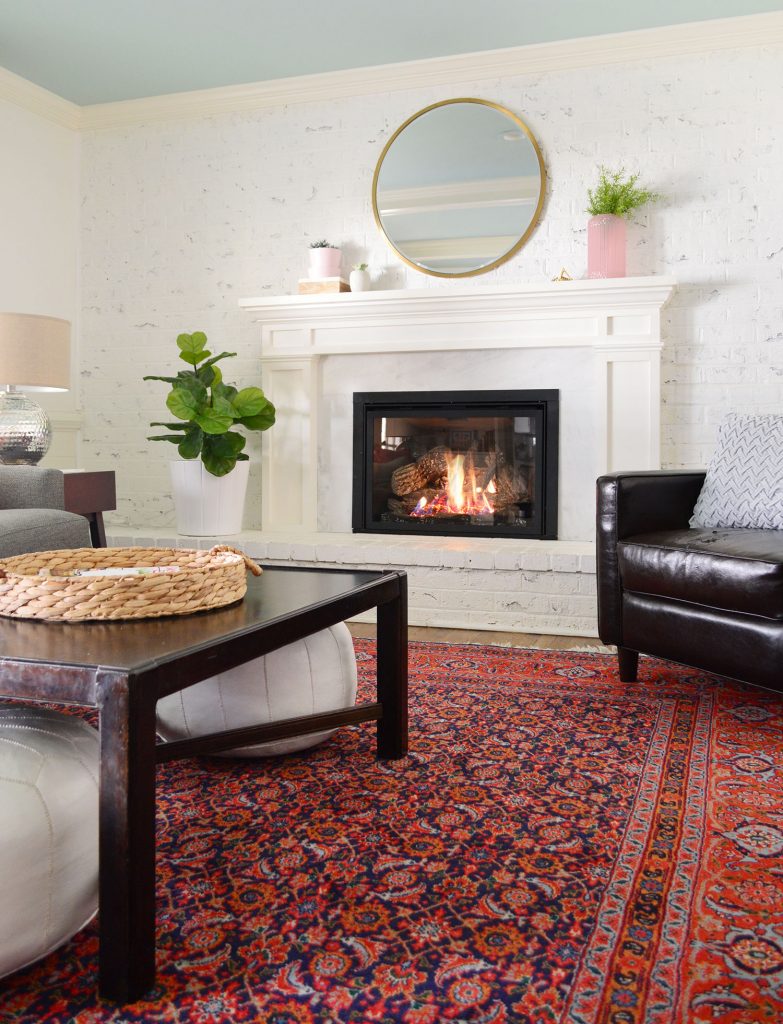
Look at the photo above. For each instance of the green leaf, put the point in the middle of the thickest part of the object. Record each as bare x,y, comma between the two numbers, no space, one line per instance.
223,407
243,458
190,446
191,347
194,358
224,390
216,458
218,465
168,380
168,426
174,438
183,403
249,401
214,359
230,443
262,421
190,382
206,374
212,422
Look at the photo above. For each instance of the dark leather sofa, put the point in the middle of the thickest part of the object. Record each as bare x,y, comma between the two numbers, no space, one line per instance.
710,598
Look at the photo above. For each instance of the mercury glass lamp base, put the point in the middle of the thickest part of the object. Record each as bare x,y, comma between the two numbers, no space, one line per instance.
25,430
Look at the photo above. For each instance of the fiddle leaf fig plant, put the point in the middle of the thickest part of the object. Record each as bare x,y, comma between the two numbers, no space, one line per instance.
206,408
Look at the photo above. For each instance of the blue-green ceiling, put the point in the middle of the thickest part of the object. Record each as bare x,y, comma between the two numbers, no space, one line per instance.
93,51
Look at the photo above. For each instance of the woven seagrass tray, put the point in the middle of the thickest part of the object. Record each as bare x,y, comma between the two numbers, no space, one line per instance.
121,583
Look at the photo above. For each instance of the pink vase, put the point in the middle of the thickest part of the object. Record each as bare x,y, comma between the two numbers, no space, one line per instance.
606,246
325,262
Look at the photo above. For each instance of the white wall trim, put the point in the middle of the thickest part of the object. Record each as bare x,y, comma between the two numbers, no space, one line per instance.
561,55
616,48
37,100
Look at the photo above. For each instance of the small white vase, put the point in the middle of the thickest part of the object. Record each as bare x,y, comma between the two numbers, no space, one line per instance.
207,505
360,280
325,262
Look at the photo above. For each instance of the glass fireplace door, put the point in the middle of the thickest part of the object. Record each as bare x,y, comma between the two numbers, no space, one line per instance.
464,463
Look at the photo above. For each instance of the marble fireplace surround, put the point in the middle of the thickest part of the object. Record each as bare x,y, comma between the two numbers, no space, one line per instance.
597,341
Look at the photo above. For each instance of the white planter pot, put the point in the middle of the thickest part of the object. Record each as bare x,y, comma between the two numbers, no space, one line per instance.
208,505
360,280
325,262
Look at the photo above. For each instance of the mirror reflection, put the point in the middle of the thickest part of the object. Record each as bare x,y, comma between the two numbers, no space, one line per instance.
459,187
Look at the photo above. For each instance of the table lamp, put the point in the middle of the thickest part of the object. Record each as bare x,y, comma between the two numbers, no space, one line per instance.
34,356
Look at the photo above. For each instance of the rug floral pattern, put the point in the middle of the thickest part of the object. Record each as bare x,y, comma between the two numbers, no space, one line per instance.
557,847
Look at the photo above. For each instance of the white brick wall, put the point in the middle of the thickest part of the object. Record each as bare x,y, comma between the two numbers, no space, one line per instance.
181,219
465,583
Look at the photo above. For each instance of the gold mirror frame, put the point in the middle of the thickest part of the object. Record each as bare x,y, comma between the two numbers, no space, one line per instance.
533,220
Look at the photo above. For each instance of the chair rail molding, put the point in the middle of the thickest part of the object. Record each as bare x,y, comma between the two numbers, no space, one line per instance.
617,320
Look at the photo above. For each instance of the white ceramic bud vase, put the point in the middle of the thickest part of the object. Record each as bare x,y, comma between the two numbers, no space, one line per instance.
207,505
360,280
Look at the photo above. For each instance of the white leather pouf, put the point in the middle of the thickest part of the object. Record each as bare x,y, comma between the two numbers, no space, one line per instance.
48,831
311,675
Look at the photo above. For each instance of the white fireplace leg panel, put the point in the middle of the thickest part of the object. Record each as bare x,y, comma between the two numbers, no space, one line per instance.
630,381
290,451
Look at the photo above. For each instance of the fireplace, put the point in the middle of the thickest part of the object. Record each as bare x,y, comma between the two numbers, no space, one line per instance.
462,463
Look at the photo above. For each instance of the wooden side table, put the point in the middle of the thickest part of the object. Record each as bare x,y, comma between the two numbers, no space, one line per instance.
90,494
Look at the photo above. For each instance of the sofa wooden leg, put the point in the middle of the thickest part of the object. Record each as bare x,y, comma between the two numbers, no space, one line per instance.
628,663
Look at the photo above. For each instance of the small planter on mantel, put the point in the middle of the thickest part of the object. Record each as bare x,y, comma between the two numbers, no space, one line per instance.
606,246
325,261
360,280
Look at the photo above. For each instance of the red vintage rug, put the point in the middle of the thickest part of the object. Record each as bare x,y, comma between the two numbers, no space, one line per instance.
558,847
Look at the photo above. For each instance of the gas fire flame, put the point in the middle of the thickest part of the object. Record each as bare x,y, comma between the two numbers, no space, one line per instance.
462,495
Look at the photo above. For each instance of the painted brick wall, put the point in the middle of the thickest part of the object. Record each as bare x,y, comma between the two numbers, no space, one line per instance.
499,584
180,220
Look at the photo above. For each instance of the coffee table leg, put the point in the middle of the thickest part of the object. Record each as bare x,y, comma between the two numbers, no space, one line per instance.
127,841
393,675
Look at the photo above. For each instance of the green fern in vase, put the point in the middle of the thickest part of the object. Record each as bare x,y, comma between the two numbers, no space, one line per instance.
617,194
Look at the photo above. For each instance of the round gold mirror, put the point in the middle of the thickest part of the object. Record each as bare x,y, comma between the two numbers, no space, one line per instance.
459,188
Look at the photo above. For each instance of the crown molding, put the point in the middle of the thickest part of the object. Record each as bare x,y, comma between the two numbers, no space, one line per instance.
561,55
39,101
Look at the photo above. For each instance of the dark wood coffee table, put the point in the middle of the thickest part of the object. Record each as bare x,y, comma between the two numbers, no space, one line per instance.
122,668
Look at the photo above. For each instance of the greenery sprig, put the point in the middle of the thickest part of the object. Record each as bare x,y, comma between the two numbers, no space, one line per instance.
321,244
617,194
207,408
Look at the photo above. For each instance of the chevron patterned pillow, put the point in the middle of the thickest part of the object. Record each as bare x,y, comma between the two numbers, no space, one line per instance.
744,482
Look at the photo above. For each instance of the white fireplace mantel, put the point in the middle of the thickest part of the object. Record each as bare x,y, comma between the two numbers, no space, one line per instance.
618,320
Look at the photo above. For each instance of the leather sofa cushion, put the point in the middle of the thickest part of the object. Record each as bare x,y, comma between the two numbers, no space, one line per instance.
735,570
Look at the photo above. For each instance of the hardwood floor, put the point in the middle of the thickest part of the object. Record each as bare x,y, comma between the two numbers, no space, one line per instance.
536,641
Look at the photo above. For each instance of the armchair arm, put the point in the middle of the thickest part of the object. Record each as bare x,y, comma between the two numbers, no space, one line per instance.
31,487
627,504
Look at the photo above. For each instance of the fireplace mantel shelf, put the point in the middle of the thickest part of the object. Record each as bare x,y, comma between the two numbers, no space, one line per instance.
607,312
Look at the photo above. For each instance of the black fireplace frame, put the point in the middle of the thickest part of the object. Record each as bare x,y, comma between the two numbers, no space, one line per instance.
468,403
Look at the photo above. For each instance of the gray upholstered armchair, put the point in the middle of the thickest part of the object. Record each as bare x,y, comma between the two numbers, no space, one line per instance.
32,516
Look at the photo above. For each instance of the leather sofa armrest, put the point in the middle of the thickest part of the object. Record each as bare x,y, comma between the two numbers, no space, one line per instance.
31,487
629,503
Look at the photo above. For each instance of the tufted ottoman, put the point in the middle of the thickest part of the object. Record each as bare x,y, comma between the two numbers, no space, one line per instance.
309,676
48,831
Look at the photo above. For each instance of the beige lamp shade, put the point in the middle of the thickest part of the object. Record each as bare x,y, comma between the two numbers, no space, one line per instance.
35,352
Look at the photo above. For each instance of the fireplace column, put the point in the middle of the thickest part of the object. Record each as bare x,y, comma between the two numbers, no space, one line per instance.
289,460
